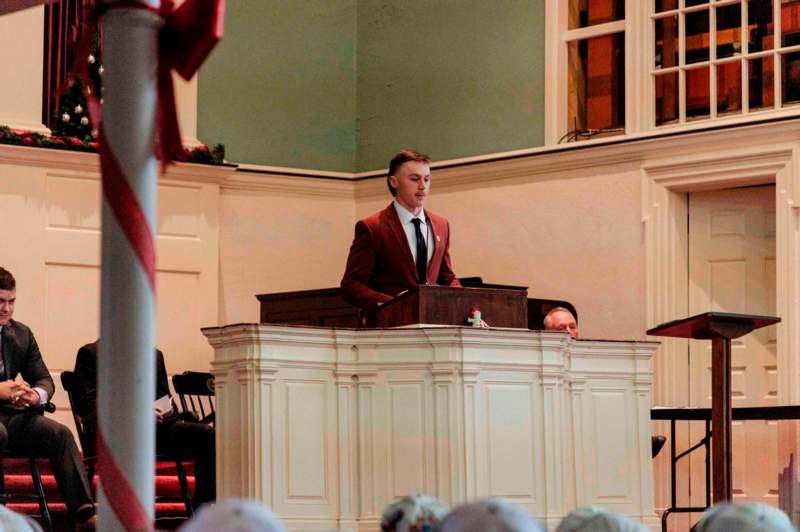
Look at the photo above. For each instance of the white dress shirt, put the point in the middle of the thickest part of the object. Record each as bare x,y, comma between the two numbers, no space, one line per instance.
405,220
43,395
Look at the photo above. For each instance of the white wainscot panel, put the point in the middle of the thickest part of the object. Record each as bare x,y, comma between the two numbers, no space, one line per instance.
180,210
73,219
181,223
407,426
178,320
73,201
510,441
72,310
306,452
611,410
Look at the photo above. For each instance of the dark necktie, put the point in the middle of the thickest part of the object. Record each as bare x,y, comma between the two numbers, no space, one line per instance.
422,253
2,355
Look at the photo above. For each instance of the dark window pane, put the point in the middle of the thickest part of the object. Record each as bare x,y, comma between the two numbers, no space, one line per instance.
697,36
760,72
692,3
790,22
666,98
791,77
729,88
697,97
665,5
596,83
761,30
729,30
666,52
584,13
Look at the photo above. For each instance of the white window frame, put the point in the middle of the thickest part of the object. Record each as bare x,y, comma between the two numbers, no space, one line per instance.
639,67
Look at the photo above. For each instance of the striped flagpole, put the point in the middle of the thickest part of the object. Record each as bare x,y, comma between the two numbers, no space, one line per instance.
126,365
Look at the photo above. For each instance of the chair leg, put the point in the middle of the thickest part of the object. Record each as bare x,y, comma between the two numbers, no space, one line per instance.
90,476
187,496
37,483
3,497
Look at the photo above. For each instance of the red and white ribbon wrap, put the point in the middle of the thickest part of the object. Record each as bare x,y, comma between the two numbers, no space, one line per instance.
141,44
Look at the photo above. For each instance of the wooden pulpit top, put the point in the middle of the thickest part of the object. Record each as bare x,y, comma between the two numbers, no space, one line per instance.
713,324
448,305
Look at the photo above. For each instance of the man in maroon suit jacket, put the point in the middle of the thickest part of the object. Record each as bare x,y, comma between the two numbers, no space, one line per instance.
383,259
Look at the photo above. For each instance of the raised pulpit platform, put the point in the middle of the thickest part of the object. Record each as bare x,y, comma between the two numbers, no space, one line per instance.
445,305
327,426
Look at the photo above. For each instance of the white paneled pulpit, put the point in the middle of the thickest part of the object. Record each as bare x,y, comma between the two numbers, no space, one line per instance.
326,426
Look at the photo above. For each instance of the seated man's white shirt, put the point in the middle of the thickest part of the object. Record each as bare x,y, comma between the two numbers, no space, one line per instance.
43,395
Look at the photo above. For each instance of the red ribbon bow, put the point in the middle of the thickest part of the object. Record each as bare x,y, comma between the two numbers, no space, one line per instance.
187,37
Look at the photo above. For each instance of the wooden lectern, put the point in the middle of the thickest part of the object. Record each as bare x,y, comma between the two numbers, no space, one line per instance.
720,328
446,305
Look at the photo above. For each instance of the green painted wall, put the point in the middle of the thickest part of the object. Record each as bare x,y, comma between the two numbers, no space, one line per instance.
451,78
343,84
280,87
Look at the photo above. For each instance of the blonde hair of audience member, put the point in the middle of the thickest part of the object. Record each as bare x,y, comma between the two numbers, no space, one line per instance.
561,319
754,517
490,515
412,514
233,515
594,519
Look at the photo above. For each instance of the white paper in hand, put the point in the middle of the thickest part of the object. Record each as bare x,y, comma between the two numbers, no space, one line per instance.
163,404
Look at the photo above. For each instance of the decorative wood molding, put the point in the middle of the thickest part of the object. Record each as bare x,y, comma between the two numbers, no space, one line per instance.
530,165
630,153
288,184
88,164
297,172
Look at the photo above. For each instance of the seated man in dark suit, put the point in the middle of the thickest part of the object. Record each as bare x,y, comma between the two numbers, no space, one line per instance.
401,246
176,435
26,384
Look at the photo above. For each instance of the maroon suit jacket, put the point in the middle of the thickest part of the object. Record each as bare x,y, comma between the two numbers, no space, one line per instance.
380,264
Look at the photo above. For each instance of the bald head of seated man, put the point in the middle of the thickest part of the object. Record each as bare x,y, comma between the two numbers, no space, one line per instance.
561,319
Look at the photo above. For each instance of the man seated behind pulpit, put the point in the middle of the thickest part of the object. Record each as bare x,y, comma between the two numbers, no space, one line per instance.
177,435
401,246
561,319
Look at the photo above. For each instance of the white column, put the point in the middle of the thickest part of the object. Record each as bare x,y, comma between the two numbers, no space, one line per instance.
126,365
186,105
22,60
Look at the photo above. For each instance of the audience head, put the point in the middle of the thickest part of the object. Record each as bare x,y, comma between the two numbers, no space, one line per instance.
412,514
489,515
399,177
11,521
755,517
233,515
561,319
8,295
594,519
